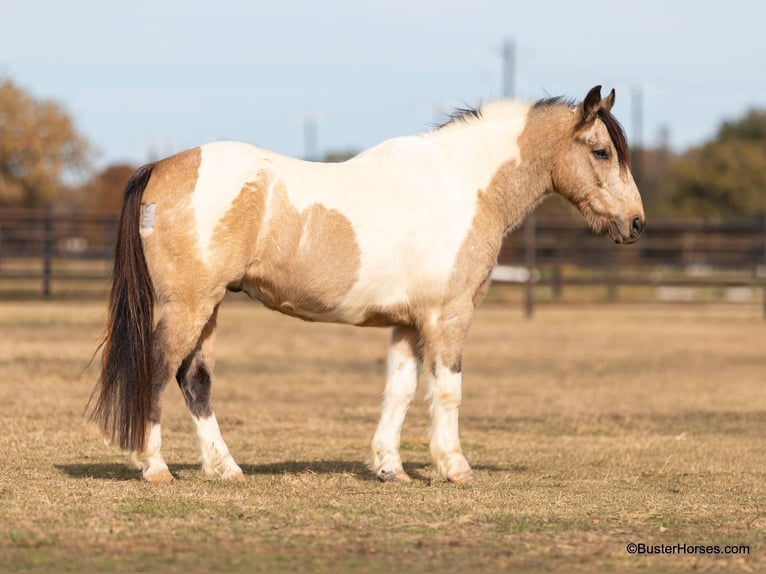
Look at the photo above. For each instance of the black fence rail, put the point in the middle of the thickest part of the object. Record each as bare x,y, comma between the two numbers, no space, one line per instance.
674,256
53,253
40,249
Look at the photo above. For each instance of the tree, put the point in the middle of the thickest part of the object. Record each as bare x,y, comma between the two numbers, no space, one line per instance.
39,148
104,191
724,177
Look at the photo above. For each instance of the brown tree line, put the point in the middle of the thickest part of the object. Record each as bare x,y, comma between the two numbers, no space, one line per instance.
41,151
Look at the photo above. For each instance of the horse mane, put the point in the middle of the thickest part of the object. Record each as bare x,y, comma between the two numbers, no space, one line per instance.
613,127
554,101
461,115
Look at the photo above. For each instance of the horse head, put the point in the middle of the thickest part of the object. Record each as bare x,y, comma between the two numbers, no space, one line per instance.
594,171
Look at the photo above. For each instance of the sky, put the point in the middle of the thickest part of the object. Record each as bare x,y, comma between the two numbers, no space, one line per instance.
144,79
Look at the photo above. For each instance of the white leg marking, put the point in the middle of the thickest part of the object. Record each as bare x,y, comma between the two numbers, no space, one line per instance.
445,393
152,465
401,383
217,462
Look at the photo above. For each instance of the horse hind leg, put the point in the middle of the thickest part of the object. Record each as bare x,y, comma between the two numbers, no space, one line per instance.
401,382
194,379
176,336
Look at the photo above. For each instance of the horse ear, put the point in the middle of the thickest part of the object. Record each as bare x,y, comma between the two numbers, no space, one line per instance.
608,102
591,104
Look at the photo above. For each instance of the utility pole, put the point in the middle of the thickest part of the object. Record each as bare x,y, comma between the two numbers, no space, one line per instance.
509,69
637,145
310,139
530,225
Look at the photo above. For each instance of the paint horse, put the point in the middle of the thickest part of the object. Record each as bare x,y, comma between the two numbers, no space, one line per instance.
403,235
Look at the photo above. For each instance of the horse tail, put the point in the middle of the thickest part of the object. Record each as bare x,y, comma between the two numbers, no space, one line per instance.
124,390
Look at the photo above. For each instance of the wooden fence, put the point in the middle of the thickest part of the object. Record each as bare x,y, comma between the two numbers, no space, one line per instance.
675,258
70,254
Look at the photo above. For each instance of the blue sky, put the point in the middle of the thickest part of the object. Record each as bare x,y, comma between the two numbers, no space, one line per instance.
151,78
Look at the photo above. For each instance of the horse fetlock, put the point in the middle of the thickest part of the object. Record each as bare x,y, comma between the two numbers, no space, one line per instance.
223,469
134,460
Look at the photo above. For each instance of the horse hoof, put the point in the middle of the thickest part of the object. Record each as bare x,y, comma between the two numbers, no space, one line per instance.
161,476
236,476
466,477
224,471
393,476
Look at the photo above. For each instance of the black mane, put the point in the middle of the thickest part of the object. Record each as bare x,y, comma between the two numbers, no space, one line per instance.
554,101
461,115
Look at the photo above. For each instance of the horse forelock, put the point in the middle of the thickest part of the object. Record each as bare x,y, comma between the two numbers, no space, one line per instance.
617,135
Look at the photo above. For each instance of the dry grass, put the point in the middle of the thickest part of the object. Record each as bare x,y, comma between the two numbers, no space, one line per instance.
589,427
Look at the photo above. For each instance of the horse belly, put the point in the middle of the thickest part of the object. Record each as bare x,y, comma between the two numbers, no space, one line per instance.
305,261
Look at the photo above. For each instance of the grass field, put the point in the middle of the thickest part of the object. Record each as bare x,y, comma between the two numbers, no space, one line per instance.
589,427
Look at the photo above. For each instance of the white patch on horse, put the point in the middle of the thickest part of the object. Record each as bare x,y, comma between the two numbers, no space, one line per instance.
223,171
217,462
445,393
401,384
153,466
424,199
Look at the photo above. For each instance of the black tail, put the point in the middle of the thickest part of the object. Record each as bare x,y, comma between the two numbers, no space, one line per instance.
124,390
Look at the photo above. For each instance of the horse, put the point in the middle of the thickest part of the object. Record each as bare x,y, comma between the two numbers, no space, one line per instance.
404,235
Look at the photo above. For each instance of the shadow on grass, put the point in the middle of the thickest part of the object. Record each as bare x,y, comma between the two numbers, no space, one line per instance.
102,471
117,471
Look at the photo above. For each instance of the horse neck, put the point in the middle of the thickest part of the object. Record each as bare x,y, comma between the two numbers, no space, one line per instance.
509,158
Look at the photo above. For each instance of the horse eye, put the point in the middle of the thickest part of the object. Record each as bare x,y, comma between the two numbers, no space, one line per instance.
601,153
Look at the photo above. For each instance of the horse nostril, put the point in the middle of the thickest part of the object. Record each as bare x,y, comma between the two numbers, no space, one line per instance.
636,227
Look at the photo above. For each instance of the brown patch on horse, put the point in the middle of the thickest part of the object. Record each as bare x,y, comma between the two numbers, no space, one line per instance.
305,262
174,178
389,316
171,248
236,235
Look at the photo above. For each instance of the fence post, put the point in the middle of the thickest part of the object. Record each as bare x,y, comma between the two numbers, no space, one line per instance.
530,256
763,271
47,251
556,278
612,278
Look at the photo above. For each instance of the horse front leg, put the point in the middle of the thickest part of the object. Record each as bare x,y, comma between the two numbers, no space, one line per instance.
443,351
403,367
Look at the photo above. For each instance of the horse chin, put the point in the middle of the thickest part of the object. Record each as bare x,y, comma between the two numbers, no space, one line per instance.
602,225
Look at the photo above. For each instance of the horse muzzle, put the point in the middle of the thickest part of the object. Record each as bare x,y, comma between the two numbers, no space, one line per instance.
626,231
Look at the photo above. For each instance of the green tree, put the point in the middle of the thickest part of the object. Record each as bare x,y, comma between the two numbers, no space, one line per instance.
39,148
724,177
